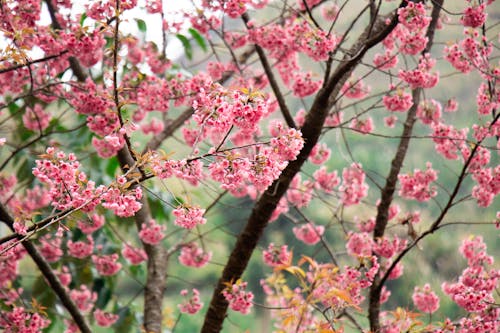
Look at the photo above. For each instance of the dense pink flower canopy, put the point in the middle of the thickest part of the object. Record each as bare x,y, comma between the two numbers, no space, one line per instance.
153,150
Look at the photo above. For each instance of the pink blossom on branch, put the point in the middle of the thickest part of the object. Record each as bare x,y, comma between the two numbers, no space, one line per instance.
353,187
133,254
194,256
106,265
152,233
238,298
308,233
417,185
277,256
188,216
192,305
105,319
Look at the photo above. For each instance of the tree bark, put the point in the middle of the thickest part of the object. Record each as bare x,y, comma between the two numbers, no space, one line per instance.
386,195
264,207
49,275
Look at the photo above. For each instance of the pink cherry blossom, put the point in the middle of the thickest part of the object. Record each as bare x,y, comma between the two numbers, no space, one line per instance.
417,185
474,16
81,249
276,256
188,216
133,254
425,299
36,119
106,265
400,102
194,256
152,233
308,233
353,187
105,319
192,305
238,298
359,244
83,298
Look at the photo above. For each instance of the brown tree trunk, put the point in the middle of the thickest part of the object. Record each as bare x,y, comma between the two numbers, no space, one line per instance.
267,203
387,192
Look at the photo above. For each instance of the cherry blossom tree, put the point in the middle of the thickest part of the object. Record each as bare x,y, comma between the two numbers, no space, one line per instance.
337,130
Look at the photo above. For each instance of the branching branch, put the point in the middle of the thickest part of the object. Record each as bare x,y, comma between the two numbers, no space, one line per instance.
264,207
272,80
387,192
49,276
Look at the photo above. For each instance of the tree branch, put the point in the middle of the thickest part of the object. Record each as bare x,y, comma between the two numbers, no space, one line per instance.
272,80
267,203
49,276
73,62
387,192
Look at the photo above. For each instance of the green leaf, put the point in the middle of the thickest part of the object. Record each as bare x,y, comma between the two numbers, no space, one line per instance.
103,292
111,167
82,19
188,49
198,38
141,25
13,108
158,208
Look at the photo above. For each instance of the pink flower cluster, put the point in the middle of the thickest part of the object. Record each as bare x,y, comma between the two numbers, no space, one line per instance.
50,247
474,16
386,247
133,254
105,319
474,291
152,233
109,145
413,16
106,265
353,187
191,171
326,181
18,319
488,185
355,89
188,216
448,141
360,244
217,109
68,186
85,45
421,76
303,84
429,111
364,126
238,298
277,256
95,223
417,185
84,298
308,233
385,61
193,304
36,118
194,256
401,101
411,30
123,204
299,193
339,289
81,249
